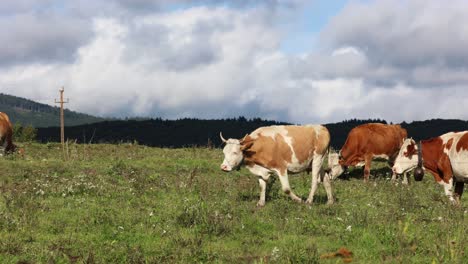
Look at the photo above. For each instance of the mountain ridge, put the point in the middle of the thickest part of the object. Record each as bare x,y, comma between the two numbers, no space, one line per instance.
28,112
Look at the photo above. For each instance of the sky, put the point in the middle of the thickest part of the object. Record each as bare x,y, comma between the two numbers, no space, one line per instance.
300,61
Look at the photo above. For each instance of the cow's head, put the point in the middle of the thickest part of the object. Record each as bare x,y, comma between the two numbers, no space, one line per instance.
334,166
11,148
234,152
407,158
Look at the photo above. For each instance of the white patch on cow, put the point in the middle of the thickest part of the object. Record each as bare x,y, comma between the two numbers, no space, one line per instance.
334,166
317,129
446,137
270,131
360,164
260,171
294,166
403,163
458,160
381,156
448,189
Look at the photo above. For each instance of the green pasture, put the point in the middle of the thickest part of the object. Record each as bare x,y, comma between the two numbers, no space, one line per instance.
133,204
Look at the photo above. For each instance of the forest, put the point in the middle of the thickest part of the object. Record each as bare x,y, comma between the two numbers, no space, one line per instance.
196,132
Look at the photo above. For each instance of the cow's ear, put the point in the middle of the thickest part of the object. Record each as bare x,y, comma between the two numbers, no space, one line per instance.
410,151
246,145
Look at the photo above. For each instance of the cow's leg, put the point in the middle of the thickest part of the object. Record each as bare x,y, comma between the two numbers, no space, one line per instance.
367,166
263,184
328,188
3,143
405,178
394,177
264,175
316,171
448,186
283,176
459,191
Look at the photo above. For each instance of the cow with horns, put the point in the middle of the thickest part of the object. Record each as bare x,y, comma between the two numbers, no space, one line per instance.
281,150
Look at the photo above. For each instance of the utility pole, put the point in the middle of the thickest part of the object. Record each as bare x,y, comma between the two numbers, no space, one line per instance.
62,121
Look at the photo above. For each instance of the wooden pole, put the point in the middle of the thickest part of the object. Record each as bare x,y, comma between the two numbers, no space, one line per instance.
62,120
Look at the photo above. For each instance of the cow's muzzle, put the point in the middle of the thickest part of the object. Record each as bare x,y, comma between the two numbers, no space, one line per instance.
225,168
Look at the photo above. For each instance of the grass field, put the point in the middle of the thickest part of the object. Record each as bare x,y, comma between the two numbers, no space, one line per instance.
134,204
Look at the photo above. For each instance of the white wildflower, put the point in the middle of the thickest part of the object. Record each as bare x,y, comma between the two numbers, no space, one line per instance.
275,254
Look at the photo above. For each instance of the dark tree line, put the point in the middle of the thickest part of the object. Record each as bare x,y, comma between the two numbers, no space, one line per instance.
194,132
158,132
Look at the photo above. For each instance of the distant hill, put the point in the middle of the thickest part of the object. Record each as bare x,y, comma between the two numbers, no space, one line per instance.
27,112
195,132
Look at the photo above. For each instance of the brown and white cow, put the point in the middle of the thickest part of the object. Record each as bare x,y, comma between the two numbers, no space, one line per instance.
281,150
445,157
366,142
6,134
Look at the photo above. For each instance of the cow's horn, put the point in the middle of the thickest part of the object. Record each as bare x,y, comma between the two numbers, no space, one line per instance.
221,136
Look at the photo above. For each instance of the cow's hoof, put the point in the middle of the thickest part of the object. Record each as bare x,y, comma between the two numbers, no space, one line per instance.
330,202
455,202
309,201
261,204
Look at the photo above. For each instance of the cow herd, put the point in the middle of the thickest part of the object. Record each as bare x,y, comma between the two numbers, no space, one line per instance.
284,150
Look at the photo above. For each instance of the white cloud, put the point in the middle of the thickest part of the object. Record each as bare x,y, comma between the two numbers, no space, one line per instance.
376,59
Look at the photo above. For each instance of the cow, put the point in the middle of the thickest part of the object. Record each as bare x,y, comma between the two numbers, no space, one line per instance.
445,157
282,150
366,142
6,134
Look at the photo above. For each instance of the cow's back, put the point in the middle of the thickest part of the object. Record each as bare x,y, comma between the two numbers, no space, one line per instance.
372,139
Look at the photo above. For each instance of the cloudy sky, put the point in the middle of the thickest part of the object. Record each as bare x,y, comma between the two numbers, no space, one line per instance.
301,61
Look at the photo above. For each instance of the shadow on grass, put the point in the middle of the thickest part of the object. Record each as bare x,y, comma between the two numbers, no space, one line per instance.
358,173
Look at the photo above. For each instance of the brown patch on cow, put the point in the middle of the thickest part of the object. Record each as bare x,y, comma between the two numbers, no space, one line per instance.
435,160
449,143
463,143
410,150
269,153
6,133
